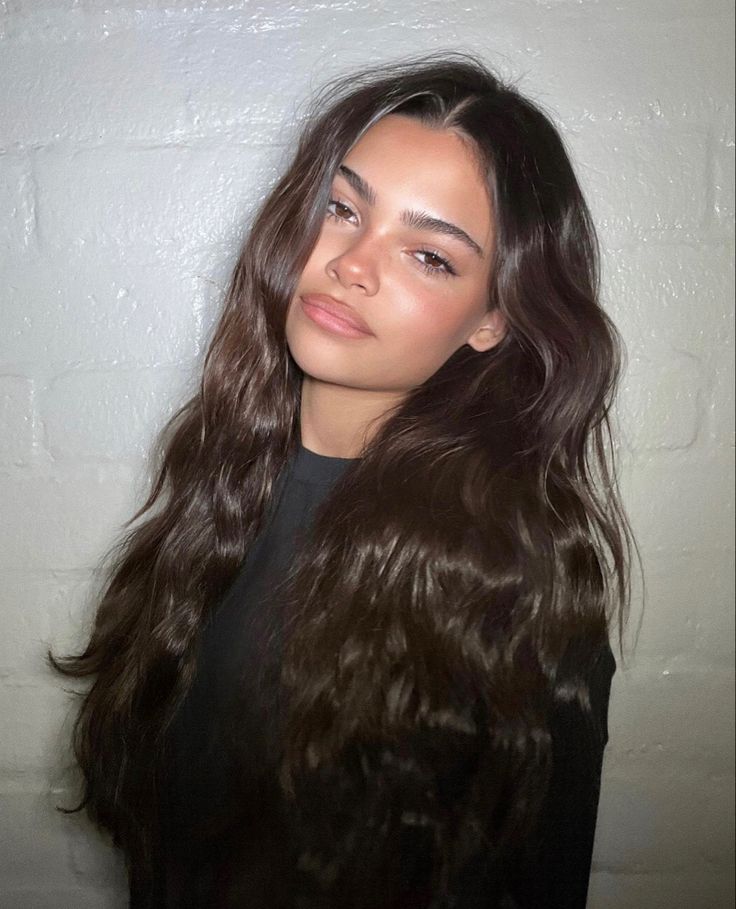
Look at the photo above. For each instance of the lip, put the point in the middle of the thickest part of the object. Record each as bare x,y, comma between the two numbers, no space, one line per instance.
334,315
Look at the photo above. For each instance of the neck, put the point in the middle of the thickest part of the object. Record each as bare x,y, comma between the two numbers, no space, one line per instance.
338,421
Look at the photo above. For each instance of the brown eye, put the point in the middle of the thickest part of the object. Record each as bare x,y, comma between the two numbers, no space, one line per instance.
342,211
435,264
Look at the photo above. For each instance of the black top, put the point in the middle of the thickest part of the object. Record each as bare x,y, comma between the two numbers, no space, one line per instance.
227,839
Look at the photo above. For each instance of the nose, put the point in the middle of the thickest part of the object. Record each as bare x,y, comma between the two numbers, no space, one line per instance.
356,265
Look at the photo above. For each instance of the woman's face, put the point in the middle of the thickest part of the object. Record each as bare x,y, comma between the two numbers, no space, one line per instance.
418,285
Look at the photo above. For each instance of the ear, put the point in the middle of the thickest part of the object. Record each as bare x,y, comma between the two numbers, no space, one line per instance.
490,331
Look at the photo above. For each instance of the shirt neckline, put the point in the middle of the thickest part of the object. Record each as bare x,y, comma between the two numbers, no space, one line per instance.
318,468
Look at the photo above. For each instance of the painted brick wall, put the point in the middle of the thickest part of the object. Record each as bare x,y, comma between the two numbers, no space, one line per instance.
135,138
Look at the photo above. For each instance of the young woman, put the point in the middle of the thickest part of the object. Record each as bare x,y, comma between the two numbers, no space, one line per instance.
357,653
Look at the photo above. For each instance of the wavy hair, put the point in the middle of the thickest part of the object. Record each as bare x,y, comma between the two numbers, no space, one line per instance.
464,572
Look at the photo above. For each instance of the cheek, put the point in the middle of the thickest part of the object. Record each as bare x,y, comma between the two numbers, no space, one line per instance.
436,321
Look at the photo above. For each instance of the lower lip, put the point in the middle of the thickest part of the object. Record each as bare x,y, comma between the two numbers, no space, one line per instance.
332,323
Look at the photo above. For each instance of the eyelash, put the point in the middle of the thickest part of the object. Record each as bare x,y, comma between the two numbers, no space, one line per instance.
445,271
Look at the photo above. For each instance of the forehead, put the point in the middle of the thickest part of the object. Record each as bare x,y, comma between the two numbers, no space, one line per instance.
412,165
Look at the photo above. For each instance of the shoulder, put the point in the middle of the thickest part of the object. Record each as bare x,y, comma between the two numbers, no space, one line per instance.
582,697
600,677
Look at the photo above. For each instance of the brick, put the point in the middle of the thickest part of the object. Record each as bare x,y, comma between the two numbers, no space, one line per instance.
646,728
94,308
95,862
37,843
723,202
711,889
146,200
680,500
64,521
643,180
228,94
114,414
715,631
655,11
24,599
33,839
720,405
16,419
653,289
661,403
689,604
63,898
661,823
37,716
227,91
17,201
41,609
724,122
636,63
101,80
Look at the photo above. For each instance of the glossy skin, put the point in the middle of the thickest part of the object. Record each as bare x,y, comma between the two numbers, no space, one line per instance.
398,278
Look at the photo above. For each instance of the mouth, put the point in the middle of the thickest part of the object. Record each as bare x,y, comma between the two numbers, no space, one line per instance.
334,316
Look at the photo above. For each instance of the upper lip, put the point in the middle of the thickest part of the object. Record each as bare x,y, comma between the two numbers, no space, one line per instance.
337,308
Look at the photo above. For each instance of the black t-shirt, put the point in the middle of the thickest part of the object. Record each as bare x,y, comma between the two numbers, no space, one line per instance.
227,839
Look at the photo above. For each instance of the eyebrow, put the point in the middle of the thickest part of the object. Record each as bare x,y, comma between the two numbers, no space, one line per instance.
416,219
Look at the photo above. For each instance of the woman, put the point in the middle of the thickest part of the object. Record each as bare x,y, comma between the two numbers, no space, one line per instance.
357,653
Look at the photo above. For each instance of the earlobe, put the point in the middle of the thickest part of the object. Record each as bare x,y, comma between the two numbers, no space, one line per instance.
489,333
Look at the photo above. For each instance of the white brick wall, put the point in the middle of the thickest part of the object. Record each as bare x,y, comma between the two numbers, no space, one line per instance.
135,138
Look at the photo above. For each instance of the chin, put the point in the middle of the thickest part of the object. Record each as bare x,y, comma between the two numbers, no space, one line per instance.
317,360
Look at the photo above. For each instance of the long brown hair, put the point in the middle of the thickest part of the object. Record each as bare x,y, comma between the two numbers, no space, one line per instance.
464,573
